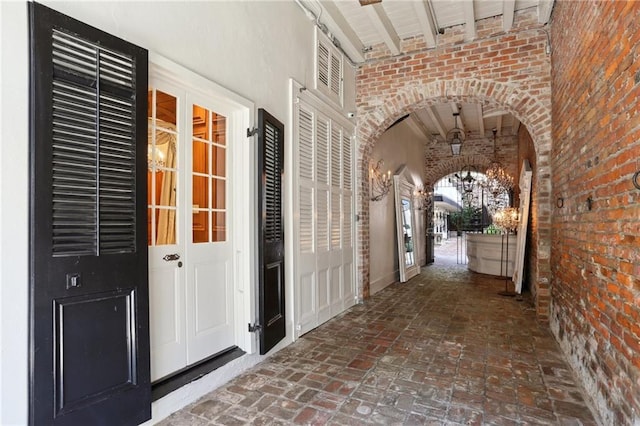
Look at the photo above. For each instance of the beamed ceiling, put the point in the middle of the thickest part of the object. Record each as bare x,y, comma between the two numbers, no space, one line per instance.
360,25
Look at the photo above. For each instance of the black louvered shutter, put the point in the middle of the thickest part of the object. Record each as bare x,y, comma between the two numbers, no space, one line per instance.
89,308
93,150
271,232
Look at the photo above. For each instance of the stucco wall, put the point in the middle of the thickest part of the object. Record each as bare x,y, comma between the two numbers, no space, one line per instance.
398,146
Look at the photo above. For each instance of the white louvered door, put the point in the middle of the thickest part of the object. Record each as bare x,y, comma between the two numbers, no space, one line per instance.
306,281
324,231
323,218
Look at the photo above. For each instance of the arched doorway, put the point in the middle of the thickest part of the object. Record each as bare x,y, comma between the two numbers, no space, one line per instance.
528,106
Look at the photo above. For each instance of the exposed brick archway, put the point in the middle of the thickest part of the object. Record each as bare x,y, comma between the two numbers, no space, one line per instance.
455,164
530,106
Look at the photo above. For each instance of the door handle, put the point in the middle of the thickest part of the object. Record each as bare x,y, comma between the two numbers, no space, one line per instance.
171,257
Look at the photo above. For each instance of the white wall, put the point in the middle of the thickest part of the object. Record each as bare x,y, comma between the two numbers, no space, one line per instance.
397,146
251,48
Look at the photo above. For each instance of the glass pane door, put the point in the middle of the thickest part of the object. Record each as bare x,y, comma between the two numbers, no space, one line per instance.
162,160
209,176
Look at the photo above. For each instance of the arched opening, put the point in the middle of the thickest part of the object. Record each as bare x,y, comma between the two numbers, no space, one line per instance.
533,114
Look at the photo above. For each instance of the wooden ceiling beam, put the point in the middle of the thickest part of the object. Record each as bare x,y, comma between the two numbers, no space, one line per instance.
480,120
424,13
544,10
382,24
456,110
469,20
436,122
418,127
508,12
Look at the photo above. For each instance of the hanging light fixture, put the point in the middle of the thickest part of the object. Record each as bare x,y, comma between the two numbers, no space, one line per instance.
496,175
455,137
468,182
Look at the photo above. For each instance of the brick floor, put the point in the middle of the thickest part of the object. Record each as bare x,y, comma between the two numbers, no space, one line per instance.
441,349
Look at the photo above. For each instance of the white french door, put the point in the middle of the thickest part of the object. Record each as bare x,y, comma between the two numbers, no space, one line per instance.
190,247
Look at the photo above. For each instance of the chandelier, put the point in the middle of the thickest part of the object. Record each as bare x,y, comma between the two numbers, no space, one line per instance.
507,218
380,182
496,176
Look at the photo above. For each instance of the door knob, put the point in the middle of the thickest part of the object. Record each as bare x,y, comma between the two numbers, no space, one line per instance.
171,257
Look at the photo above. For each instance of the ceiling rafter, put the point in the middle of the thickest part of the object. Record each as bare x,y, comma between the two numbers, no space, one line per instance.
456,110
418,127
544,11
469,20
508,12
499,124
494,113
516,126
341,30
424,13
480,119
436,122
382,24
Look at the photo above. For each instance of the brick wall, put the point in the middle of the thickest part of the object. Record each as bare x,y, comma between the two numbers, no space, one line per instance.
508,71
595,311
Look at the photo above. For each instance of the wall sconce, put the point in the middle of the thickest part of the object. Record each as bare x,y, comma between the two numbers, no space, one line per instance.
559,202
635,179
455,137
422,197
380,182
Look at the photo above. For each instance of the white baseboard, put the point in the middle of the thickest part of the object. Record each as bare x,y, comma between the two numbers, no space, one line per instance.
383,282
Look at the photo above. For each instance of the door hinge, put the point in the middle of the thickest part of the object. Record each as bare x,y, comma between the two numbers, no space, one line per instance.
251,132
255,328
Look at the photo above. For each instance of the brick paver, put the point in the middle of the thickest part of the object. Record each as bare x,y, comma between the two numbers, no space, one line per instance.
441,349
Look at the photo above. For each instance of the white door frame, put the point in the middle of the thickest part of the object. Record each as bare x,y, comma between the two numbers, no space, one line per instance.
242,195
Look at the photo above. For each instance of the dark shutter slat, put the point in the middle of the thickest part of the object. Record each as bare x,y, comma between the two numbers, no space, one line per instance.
93,149
273,225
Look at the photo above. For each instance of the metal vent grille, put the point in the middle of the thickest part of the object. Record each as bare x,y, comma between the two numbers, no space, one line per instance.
272,162
93,155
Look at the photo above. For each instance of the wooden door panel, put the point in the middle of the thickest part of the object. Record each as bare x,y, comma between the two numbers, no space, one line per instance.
167,328
89,343
271,231
211,294
89,332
